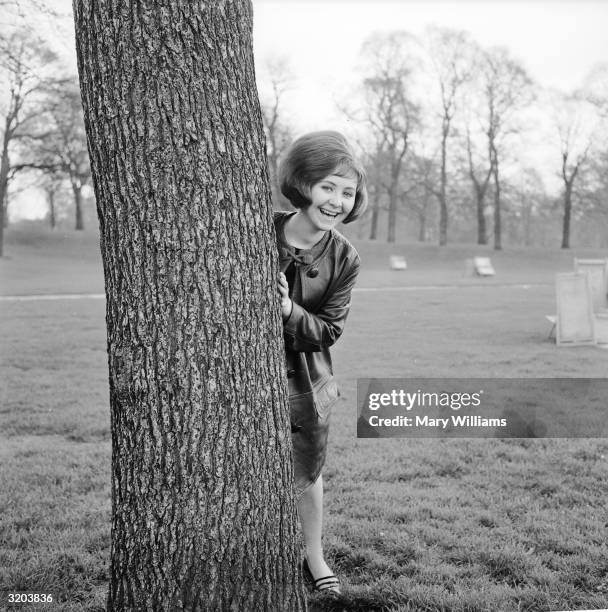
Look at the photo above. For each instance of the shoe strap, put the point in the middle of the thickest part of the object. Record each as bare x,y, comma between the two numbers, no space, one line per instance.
326,582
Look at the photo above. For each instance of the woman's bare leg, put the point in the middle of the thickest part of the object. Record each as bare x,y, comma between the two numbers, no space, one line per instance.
310,510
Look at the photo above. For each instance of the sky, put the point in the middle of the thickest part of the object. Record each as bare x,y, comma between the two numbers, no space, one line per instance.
557,41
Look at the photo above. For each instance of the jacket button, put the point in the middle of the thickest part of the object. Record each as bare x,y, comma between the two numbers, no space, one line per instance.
291,373
312,273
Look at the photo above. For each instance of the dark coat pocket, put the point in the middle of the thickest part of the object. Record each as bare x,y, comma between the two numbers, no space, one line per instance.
301,409
325,397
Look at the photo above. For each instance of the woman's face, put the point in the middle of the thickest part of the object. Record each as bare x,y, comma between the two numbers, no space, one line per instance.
332,199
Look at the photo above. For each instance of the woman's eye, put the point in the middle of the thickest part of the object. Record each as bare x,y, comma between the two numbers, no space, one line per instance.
349,195
326,187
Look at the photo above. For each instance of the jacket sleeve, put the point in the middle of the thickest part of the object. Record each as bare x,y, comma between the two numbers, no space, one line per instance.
307,332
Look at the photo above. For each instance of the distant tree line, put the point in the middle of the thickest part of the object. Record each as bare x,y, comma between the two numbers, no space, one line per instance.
442,123
42,129
439,122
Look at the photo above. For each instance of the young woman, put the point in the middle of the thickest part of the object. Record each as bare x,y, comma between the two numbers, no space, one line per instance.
326,184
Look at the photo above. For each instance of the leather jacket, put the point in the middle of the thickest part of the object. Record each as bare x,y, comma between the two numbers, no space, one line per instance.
321,300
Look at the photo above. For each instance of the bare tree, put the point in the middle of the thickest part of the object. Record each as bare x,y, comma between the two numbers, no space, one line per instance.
203,515
450,52
279,78
52,185
25,62
16,13
576,122
473,157
532,197
375,164
593,191
62,149
389,108
479,171
424,172
506,88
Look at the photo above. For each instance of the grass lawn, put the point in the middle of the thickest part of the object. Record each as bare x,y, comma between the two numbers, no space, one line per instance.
464,525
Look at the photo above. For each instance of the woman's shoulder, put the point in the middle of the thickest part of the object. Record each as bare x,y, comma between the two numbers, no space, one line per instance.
345,247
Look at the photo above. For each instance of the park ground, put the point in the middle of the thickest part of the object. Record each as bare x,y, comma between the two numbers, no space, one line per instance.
436,525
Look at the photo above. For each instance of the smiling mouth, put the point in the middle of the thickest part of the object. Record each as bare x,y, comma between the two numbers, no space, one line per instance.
328,214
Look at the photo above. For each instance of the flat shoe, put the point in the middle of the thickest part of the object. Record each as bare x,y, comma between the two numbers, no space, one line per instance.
326,583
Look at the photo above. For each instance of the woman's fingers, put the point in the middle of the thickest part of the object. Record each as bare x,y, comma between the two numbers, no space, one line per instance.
283,286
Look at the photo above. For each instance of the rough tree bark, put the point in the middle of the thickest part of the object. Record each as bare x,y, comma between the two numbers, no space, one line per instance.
203,515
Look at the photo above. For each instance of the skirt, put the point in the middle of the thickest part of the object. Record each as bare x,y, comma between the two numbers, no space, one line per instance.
310,414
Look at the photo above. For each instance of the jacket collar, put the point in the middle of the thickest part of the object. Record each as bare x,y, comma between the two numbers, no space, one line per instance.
305,257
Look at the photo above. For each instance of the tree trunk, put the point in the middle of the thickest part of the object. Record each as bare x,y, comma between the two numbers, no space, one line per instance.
568,186
482,235
392,215
77,190
527,222
567,216
497,220
203,514
422,226
373,232
480,200
5,207
273,166
480,189
4,165
51,199
526,219
4,168
443,206
392,202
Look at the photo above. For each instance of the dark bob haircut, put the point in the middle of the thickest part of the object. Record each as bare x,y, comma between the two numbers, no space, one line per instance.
314,156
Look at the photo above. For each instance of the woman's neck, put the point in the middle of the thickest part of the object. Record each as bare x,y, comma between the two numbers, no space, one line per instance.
300,233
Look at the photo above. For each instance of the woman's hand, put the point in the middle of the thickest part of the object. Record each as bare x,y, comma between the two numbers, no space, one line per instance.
286,304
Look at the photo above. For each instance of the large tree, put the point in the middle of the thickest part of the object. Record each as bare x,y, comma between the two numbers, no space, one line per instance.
203,515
